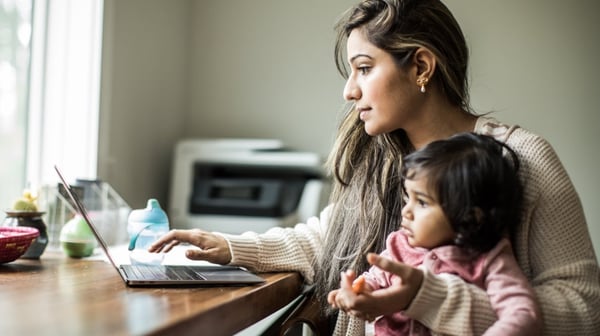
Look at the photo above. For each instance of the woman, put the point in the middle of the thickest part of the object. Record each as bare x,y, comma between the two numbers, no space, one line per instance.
408,87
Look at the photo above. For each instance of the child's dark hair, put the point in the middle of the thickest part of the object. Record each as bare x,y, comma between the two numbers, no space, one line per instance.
476,185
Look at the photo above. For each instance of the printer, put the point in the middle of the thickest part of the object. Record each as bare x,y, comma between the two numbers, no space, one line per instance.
239,185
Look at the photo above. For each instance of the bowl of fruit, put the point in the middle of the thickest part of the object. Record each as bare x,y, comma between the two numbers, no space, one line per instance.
14,242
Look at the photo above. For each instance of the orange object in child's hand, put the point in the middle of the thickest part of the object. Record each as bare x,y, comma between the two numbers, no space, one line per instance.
358,285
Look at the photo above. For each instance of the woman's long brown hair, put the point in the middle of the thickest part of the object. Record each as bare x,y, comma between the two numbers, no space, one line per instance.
366,197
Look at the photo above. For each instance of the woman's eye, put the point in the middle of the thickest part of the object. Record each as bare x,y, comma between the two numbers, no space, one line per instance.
364,70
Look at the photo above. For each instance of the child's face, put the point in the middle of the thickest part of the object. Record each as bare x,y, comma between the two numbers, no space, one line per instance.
423,219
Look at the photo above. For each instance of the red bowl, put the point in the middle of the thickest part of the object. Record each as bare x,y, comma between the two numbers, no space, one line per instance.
14,241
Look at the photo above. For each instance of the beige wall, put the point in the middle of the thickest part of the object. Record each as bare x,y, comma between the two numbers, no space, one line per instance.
144,94
264,68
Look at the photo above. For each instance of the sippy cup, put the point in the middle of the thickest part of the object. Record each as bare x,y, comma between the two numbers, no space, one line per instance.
144,227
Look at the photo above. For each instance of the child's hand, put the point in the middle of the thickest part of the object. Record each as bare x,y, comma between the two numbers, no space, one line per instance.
351,288
332,297
338,297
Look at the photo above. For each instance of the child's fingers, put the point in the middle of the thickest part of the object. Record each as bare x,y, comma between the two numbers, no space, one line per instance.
331,298
346,279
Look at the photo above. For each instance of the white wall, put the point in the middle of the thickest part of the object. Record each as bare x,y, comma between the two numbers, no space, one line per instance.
264,68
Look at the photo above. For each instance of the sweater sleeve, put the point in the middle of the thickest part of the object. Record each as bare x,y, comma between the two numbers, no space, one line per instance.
510,294
280,249
553,248
553,245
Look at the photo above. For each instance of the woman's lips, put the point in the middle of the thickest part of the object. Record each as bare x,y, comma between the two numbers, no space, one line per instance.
363,112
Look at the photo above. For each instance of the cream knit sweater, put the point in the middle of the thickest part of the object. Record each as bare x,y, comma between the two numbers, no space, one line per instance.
552,246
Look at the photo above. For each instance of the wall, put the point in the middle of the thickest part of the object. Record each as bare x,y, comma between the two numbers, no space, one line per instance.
144,95
264,68
534,63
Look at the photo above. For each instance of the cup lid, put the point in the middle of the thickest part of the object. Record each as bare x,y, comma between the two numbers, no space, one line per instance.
153,213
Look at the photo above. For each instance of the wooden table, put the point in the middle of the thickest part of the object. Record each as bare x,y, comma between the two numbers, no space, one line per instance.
57,295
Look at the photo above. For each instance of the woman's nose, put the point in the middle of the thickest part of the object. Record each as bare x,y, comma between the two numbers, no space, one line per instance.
351,90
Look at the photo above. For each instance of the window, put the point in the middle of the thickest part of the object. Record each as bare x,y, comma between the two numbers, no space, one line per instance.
49,91
15,33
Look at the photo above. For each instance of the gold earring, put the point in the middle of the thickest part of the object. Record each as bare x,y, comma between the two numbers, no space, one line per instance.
422,81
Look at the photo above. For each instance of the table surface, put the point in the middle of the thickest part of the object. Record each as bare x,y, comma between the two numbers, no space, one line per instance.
58,295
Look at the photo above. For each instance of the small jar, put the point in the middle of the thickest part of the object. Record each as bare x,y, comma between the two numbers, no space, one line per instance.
144,227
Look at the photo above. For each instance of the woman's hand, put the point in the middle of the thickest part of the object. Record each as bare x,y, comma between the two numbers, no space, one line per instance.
212,248
385,301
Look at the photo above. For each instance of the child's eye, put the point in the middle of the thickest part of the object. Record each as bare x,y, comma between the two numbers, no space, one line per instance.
422,203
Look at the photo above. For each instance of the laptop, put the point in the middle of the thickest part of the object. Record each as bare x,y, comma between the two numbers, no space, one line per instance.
166,275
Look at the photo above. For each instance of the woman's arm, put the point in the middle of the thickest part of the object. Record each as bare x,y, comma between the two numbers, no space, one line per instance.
553,246
280,249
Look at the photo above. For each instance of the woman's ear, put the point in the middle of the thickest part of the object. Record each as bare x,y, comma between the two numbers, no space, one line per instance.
425,62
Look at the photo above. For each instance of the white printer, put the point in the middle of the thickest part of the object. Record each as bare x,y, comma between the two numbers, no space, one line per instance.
238,185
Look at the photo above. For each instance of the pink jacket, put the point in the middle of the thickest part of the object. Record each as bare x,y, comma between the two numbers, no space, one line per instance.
496,271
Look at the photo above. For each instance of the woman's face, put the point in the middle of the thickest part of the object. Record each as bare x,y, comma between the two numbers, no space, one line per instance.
382,92
423,219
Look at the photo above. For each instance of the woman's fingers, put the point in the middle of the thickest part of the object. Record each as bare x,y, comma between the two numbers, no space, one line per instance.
169,240
400,269
404,285
210,247
169,246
